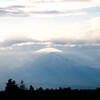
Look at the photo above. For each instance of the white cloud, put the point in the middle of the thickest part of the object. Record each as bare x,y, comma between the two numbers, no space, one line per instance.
22,8
48,50
78,30
5,48
73,30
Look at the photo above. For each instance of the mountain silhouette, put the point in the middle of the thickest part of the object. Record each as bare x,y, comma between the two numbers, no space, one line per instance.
55,69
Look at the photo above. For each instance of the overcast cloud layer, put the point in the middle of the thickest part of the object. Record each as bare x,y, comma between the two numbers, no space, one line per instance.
69,21
25,8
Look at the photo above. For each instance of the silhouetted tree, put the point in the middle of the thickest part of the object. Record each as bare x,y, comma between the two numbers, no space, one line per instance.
40,89
22,86
31,88
11,86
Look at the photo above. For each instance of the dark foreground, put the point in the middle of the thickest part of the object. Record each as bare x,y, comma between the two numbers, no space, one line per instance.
12,89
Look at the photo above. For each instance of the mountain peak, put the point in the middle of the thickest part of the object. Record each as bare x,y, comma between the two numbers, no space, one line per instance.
49,50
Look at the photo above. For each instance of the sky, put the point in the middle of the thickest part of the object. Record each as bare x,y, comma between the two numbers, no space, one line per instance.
72,22
30,28
50,19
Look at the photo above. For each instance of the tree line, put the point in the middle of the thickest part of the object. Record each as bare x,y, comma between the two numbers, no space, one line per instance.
13,89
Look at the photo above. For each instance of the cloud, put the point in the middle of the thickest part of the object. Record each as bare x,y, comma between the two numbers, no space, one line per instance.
10,41
75,43
18,11
87,34
53,1
22,43
48,50
13,10
42,8
5,48
53,12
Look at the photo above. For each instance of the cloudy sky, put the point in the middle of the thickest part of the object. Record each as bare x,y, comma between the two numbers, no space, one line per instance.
32,27
50,19
50,22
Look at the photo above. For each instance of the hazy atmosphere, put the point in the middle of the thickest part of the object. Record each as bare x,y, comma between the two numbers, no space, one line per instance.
50,43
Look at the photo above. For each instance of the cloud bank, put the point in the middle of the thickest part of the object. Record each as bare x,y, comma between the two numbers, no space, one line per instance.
26,8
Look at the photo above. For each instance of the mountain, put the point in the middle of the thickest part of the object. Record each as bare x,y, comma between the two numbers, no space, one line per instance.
57,69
